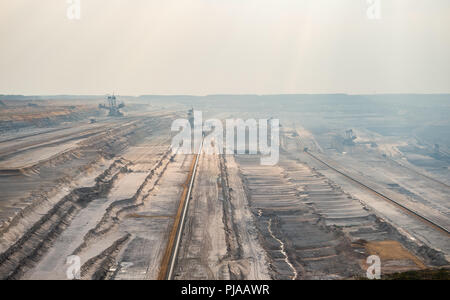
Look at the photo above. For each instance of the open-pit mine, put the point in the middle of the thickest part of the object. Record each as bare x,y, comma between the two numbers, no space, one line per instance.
96,181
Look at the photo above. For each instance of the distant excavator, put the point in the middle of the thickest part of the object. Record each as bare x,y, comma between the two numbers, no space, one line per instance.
191,116
350,137
113,107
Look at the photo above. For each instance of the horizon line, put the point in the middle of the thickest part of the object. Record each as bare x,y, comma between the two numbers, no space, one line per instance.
222,94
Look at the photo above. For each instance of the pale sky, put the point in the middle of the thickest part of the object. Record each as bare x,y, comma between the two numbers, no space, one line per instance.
201,47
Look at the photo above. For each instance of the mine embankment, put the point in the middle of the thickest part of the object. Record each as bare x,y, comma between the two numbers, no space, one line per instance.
37,179
312,229
37,209
28,249
297,241
115,235
127,197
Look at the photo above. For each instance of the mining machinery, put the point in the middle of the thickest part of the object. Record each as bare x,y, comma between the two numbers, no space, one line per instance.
112,106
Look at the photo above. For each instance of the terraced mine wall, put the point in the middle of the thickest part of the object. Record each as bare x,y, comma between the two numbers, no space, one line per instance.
20,256
311,229
51,193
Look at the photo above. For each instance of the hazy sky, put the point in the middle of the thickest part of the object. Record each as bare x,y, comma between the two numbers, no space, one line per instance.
224,46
